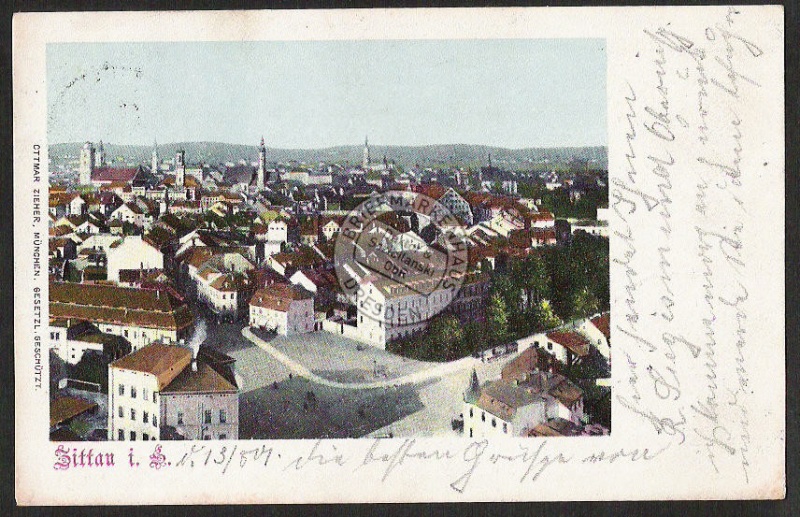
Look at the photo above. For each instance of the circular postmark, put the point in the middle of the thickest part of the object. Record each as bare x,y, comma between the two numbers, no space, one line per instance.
401,258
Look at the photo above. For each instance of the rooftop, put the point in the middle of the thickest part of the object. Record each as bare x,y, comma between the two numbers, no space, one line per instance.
572,341
64,408
120,305
165,362
204,380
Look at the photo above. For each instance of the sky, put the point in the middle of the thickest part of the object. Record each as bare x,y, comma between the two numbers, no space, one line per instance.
311,94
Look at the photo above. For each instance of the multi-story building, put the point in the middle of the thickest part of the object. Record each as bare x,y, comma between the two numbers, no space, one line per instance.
71,339
515,406
285,308
142,316
132,252
161,392
390,309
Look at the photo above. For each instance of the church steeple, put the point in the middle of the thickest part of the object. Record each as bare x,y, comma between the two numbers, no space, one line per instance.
365,162
180,168
154,158
261,173
100,156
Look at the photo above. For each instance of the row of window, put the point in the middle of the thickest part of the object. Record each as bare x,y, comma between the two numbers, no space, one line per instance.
121,436
133,392
145,416
483,419
223,417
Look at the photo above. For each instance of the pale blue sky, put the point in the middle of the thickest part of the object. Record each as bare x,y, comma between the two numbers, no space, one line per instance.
508,93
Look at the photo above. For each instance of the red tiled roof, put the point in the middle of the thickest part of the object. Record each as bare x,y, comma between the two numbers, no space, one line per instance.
204,380
118,305
433,190
111,174
165,362
573,341
603,324
278,297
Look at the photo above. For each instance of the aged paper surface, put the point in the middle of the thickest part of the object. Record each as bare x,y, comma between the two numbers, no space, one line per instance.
695,173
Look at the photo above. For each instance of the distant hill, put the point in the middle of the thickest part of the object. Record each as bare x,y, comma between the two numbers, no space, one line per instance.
65,155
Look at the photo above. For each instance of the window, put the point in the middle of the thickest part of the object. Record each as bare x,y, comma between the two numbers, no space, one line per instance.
121,389
133,392
549,346
121,435
144,393
505,427
133,414
180,418
154,397
121,412
223,417
145,436
494,422
125,332
483,416
133,436
223,436
155,424
470,412
145,418
207,416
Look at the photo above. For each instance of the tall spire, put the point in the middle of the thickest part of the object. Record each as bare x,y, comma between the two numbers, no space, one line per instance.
365,161
154,158
261,173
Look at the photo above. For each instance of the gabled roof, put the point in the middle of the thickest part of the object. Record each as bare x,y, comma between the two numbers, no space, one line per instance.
572,341
64,408
118,305
165,362
204,380
111,174
279,297
603,324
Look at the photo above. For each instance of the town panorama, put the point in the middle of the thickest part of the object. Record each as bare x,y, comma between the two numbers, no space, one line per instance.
194,294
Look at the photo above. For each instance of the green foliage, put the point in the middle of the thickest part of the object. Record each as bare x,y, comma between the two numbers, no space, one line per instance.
558,202
92,368
446,334
497,318
545,316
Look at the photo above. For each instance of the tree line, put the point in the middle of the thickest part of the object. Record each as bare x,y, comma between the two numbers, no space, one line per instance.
527,295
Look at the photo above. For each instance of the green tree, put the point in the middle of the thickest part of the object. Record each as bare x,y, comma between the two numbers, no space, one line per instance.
545,316
534,279
445,336
92,368
497,319
584,303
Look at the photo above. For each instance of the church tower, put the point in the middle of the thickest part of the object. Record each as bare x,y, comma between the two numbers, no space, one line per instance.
365,162
261,173
180,168
100,157
154,159
86,164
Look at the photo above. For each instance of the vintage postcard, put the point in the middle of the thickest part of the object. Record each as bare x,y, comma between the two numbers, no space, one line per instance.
522,254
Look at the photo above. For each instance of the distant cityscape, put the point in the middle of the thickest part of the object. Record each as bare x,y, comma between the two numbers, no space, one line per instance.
195,293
